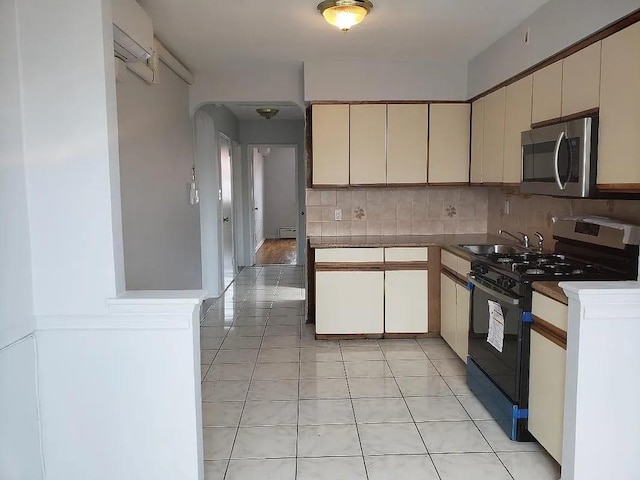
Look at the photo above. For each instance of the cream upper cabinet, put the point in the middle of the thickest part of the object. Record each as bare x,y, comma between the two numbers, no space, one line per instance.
517,120
330,135
368,146
407,133
581,80
449,138
619,143
493,136
477,140
547,93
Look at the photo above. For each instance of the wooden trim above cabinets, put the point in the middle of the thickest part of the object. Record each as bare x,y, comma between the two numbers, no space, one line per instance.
349,267
383,102
550,332
605,32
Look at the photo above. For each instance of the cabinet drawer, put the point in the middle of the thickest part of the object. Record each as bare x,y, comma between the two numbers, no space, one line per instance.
349,255
550,310
459,265
410,254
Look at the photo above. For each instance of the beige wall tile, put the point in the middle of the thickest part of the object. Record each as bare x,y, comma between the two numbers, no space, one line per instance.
343,229
314,214
358,228
314,229
329,229
313,197
328,197
374,228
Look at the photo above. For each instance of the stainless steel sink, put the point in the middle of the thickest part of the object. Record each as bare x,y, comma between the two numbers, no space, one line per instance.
494,248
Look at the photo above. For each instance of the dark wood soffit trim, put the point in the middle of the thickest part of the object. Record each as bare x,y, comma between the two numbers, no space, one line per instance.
349,267
550,332
385,102
601,34
447,272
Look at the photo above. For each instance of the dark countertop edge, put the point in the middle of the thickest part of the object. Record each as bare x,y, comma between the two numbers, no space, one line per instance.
551,290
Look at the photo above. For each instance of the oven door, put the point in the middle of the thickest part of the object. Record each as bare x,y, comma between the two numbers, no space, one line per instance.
502,367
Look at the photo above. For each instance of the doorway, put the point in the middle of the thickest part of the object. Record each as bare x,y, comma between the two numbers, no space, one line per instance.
275,204
226,198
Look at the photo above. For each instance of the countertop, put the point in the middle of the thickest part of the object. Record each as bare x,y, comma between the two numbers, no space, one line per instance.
379,241
551,290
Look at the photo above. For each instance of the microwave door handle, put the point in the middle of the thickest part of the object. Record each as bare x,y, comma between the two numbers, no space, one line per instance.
556,155
500,296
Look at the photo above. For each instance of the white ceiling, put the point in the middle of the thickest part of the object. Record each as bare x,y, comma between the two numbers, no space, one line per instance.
207,34
247,111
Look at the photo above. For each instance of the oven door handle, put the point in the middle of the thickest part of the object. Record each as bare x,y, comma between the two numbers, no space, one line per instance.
556,160
500,296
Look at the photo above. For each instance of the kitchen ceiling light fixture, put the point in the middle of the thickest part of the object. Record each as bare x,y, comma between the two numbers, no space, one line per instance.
344,14
267,112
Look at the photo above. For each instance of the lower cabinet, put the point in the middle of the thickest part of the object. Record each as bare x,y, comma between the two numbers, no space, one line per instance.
406,302
546,393
371,291
349,302
454,315
547,367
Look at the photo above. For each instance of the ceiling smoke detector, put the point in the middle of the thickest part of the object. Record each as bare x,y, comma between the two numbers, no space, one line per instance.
267,112
344,14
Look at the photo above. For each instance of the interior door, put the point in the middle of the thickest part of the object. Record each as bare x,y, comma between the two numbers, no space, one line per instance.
226,197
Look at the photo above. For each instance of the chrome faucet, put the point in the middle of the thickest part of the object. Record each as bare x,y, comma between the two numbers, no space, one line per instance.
524,240
540,241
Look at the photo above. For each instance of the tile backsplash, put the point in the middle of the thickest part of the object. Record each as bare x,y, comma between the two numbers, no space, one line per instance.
397,211
534,213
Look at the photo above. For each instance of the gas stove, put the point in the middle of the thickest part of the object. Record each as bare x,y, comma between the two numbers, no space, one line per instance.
530,266
498,370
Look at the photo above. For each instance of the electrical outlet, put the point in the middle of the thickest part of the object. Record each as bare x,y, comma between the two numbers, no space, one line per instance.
507,207
337,214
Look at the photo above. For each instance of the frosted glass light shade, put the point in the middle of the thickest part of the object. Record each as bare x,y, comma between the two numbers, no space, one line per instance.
344,14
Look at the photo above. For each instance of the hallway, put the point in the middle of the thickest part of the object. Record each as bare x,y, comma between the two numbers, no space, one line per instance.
280,405
277,251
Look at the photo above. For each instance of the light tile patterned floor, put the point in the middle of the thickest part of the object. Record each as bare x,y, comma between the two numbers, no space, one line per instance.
280,405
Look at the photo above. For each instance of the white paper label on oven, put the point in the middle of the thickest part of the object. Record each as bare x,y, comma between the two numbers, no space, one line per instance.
496,326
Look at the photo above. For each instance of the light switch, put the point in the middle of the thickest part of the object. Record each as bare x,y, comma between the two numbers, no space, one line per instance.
337,214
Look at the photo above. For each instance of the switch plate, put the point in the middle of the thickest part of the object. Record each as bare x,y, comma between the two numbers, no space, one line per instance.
337,214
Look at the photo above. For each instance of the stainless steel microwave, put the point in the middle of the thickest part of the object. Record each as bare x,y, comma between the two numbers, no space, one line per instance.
561,160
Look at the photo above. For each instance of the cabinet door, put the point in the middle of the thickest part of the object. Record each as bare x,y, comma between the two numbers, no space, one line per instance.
330,137
581,80
463,297
449,137
407,130
448,310
493,143
546,393
349,302
619,143
368,144
517,120
406,301
477,140
547,93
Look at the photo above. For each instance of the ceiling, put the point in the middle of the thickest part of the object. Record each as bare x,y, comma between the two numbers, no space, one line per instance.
247,111
207,34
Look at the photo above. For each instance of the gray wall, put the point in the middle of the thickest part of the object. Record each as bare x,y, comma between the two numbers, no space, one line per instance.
225,121
161,229
280,190
554,26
